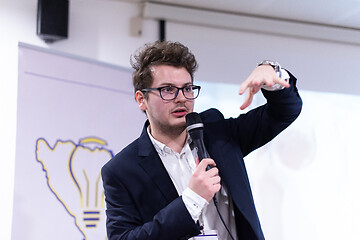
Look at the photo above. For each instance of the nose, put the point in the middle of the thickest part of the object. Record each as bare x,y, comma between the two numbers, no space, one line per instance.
180,97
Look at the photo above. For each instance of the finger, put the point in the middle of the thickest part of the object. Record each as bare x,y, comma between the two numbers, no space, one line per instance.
269,80
197,161
282,82
248,84
213,172
216,180
274,78
248,99
252,91
205,162
217,187
244,86
216,184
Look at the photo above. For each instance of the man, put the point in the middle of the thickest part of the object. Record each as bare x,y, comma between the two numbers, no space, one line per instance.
156,188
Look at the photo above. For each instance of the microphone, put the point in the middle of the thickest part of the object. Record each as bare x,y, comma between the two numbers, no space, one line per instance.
194,127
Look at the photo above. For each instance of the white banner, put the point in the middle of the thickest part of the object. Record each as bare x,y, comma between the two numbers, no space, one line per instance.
74,114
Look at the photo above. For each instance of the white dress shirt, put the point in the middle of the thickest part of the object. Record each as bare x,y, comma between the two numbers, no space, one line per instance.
180,167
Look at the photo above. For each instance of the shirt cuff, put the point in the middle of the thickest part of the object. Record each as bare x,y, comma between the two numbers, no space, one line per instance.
283,75
194,203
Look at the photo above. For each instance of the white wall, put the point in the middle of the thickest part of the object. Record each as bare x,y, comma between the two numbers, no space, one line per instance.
99,29
229,56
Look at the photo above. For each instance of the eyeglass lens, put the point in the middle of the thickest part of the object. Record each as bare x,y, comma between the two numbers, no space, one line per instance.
171,92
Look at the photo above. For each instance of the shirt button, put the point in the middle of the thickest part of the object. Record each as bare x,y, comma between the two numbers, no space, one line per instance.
167,150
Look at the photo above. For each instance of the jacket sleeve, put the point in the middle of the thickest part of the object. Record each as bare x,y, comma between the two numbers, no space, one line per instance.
124,220
260,125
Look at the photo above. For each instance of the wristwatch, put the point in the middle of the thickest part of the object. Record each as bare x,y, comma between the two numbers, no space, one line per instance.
274,64
279,71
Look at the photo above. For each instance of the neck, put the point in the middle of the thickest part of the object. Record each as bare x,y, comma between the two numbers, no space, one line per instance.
174,138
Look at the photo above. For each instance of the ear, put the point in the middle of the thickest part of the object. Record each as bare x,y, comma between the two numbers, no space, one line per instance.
141,101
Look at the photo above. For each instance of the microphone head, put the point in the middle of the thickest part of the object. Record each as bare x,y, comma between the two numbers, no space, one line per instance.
192,118
193,121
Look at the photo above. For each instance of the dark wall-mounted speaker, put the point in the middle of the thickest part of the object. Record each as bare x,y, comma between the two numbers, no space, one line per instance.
52,20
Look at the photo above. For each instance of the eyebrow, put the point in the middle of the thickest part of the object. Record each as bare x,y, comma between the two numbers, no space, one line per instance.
171,84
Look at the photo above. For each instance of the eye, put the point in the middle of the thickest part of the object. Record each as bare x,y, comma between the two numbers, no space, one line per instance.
168,89
188,88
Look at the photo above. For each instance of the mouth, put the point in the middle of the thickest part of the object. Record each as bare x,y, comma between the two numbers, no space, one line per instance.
179,112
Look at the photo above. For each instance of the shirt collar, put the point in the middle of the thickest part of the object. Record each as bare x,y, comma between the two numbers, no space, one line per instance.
161,148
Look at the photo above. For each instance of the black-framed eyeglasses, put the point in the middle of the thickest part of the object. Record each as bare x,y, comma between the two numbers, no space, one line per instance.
168,93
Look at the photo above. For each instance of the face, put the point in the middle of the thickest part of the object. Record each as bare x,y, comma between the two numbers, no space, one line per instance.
166,117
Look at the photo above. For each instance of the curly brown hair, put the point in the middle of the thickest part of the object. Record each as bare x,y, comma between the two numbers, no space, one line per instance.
160,53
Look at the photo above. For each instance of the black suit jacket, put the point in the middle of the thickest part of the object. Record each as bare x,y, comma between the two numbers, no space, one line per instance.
142,202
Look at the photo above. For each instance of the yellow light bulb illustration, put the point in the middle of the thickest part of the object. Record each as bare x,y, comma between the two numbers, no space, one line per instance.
73,176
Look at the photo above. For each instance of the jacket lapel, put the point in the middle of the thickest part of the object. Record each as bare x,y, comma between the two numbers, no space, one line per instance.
234,178
153,166
231,166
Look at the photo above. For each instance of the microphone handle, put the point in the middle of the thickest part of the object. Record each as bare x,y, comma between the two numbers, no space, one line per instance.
201,151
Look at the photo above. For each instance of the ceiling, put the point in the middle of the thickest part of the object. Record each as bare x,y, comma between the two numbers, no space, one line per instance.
340,13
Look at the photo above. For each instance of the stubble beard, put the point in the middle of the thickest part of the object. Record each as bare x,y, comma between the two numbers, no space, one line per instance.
173,130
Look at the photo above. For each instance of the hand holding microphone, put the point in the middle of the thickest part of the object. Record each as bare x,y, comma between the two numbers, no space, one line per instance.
205,181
